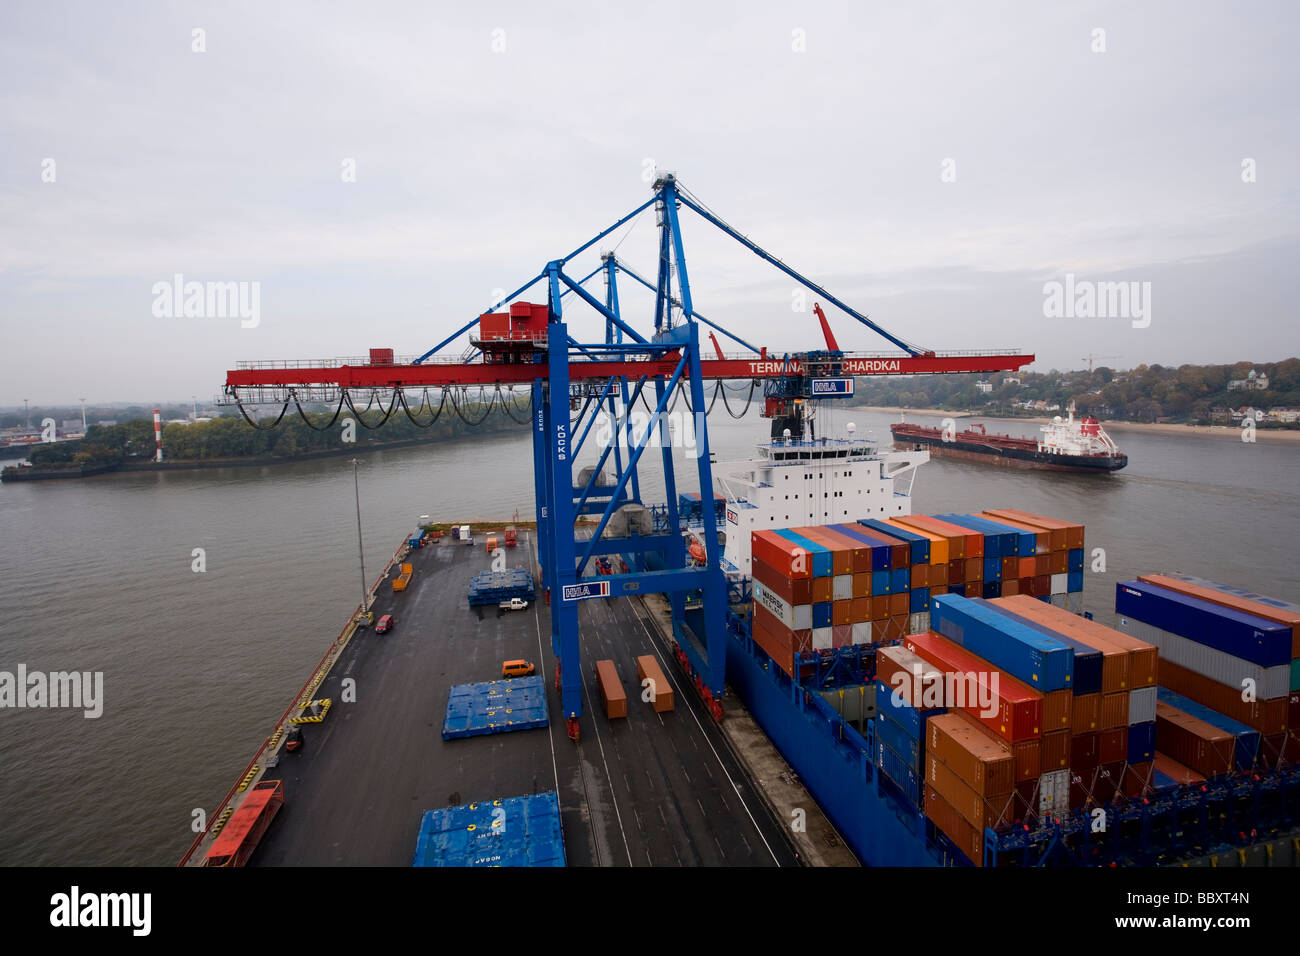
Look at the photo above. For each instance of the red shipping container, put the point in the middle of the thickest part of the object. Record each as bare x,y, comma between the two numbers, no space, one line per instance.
974,569
1057,708
1010,586
878,631
1019,708
880,607
1112,745
1056,751
787,558
1058,562
974,589
774,637
920,576
1010,567
861,610
957,573
791,590
895,667
822,589
978,811
1042,586
900,604
1083,752
1025,567
1267,716
896,627
966,838
861,585
937,589
381,356
1042,565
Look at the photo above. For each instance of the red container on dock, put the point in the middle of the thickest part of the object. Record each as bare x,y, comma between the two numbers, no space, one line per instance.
1191,741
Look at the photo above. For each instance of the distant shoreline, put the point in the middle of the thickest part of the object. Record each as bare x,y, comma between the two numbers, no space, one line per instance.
1164,428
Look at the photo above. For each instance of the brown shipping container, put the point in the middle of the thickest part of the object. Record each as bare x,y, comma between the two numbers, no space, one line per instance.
957,573
859,553
1028,757
1222,598
956,537
1266,716
1056,751
1114,710
1112,745
1137,778
1042,538
1010,587
1116,665
899,604
1010,567
920,576
841,613
772,640
861,611
822,589
1191,741
1085,717
982,760
1058,562
965,837
1073,531
896,628
611,690
974,569
1176,771
1042,586
1057,706
977,810
1042,565
937,589
647,668
1083,752
879,607
791,590
788,558
841,552
879,630
862,585
974,589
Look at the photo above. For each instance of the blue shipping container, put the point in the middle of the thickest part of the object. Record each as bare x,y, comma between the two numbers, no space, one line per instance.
992,569
882,545
1239,635
880,583
901,713
999,541
896,769
821,614
821,555
920,543
1042,662
1141,742
1074,581
991,590
1026,541
517,831
900,579
920,601
1247,746
899,741
1087,660
1074,559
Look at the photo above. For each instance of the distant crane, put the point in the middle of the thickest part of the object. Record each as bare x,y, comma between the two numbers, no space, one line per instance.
1089,359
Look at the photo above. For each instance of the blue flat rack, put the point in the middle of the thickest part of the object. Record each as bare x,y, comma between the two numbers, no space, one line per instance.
516,831
495,707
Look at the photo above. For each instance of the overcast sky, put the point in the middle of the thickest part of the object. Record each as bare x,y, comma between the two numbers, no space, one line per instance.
488,138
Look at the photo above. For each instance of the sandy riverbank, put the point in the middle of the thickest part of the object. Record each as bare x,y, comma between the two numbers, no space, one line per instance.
1208,431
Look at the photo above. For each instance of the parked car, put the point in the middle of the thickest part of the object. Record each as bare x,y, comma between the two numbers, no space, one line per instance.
385,624
514,604
519,668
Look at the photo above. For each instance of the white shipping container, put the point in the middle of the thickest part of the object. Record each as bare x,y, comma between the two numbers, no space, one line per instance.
862,632
1059,583
842,587
1054,792
797,617
1074,602
1270,682
918,622
823,638
1141,705
1059,600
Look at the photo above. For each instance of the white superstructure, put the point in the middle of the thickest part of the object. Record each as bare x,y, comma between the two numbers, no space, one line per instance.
1070,437
802,483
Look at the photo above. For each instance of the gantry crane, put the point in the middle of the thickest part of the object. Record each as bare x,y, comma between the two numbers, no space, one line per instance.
528,346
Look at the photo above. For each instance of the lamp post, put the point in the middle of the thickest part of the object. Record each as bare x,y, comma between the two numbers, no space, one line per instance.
361,551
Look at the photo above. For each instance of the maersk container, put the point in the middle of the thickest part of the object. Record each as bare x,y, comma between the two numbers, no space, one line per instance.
1141,742
1250,638
899,741
1246,749
920,545
1270,682
1142,705
797,617
919,601
821,556
1043,662
1088,660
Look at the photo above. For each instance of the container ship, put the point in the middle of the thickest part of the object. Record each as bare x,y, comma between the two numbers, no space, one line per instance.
1065,445
938,687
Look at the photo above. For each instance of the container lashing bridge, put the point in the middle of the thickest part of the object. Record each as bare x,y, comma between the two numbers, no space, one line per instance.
528,347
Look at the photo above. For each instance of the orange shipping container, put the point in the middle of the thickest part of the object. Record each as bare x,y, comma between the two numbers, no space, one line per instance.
861,585
938,543
1042,537
611,690
983,761
964,837
955,536
841,552
1114,710
842,612
1085,716
977,810
661,692
1057,708
1072,533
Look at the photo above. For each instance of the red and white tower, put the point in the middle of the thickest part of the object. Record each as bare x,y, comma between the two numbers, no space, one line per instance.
157,434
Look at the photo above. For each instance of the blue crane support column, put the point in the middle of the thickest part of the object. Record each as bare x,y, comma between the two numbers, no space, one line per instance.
715,584
614,335
676,553
564,613
541,482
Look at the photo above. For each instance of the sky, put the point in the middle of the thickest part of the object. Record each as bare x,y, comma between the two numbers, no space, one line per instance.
379,172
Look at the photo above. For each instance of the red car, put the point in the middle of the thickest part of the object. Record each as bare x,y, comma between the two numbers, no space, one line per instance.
385,624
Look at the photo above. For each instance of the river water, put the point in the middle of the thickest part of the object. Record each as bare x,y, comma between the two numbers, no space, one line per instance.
197,667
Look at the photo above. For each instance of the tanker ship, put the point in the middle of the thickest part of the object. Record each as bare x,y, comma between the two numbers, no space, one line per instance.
1065,445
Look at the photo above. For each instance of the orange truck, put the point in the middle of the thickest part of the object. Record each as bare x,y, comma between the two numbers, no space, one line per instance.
611,690
491,543
402,580
661,696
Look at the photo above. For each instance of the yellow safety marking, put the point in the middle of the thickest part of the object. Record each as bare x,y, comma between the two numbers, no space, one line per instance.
248,778
1241,855
222,821
325,705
